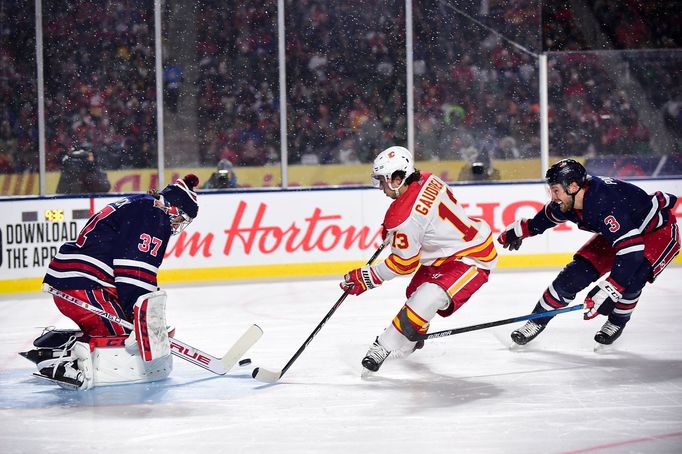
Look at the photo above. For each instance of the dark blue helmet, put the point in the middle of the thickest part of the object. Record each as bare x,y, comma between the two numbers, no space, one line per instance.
566,172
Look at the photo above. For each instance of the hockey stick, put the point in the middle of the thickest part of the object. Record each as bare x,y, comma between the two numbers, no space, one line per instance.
271,376
180,349
450,332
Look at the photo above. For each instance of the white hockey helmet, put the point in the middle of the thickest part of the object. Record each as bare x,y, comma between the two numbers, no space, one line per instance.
389,161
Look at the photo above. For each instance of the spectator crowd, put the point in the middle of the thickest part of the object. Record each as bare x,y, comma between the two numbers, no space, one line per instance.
99,83
476,91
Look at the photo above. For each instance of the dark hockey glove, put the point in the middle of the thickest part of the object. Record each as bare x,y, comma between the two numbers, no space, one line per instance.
605,295
513,235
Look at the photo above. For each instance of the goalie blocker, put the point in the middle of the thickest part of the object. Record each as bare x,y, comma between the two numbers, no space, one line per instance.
86,362
150,336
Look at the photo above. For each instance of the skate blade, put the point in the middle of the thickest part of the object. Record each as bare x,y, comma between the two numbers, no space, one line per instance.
62,384
603,348
366,374
514,347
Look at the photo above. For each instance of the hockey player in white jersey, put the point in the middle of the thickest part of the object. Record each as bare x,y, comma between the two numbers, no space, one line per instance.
428,227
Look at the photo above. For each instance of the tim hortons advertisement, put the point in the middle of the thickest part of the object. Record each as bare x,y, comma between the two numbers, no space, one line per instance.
264,234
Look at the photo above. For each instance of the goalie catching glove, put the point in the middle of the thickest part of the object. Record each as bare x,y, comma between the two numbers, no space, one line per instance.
513,235
360,279
605,294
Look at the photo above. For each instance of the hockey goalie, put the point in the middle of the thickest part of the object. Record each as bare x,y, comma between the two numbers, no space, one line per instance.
106,282
77,361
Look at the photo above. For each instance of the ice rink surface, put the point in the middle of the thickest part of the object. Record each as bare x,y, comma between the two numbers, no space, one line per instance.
469,393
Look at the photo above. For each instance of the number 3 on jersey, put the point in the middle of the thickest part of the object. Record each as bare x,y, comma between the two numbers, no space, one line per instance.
147,241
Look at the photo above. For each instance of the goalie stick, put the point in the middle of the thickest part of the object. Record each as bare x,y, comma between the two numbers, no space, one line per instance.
450,332
219,366
271,376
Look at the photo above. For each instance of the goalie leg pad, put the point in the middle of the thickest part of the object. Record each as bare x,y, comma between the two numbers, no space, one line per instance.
104,361
150,332
112,364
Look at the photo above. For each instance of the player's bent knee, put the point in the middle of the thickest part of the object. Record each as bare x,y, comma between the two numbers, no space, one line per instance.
575,277
413,319
428,299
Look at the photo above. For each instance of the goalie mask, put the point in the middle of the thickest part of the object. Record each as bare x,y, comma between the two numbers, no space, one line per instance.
179,201
388,162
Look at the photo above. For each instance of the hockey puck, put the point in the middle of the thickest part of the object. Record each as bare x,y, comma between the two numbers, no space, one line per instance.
245,362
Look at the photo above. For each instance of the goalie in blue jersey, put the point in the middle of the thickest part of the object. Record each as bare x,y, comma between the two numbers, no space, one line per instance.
636,237
112,266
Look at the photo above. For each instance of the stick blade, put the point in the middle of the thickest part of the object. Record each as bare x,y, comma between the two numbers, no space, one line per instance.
265,375
243,344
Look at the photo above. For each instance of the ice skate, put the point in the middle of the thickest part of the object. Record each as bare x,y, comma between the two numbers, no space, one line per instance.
527,332
65,374
608,333
374,358
38,355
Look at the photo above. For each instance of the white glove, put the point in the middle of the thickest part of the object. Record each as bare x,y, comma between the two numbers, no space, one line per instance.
604,292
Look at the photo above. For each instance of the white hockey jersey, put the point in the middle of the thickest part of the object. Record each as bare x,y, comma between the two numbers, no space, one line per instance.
427,226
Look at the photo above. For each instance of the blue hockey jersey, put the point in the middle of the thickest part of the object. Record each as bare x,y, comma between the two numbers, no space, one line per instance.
121,248
621,212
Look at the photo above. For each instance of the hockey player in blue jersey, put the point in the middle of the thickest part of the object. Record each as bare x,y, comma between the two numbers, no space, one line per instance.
636,237
113,265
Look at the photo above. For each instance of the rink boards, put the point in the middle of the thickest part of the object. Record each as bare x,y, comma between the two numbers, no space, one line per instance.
269,234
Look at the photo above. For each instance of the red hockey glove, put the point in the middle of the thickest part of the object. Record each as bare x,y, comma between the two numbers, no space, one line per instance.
384,233
605,292
360,279
513,235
